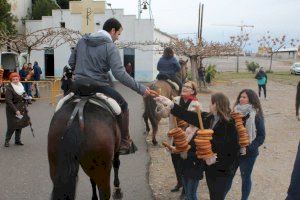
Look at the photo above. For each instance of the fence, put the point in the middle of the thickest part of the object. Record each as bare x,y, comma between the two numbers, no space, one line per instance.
49,89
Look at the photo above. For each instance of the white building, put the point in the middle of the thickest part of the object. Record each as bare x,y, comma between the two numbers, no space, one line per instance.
88,16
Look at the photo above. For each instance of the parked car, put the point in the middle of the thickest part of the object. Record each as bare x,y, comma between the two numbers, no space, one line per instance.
295,68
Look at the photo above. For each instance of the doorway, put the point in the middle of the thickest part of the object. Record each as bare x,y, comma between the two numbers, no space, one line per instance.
129,61
49,62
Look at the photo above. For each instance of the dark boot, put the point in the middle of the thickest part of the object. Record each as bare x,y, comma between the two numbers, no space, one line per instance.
127,146
9,133
18,137
6,144
176,188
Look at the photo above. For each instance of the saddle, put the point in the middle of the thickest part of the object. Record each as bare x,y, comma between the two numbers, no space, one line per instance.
86,90
166,78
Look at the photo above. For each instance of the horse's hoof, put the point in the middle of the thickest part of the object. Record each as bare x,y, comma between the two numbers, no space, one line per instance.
118,194
154,142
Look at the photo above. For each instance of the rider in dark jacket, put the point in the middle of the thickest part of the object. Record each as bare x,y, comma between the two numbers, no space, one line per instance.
168,66
94,56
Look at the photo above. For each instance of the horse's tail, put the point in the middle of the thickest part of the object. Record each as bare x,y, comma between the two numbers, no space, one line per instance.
67,167
150,106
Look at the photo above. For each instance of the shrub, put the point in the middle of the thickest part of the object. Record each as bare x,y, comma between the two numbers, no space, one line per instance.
252,66
210,73
269,71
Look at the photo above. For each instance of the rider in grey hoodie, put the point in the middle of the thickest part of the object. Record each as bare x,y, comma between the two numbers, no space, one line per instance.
93,57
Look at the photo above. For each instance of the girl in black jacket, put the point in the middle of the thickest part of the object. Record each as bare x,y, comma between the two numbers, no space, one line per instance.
225,144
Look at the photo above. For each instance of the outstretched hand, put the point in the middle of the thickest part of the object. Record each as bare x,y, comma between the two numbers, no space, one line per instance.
165,101
147,92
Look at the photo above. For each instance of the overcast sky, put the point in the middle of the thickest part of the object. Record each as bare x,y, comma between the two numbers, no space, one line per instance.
181,16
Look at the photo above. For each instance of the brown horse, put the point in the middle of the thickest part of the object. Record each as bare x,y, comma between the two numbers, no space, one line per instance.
150,105
89,137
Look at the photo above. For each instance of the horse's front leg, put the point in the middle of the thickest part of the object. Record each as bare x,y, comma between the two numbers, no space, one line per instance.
145,116
94,188
116,164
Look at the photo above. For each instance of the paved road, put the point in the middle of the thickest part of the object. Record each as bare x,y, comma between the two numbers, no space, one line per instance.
24,171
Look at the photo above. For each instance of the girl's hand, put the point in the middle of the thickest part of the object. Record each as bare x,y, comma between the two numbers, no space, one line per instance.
18,113
243,151
211,160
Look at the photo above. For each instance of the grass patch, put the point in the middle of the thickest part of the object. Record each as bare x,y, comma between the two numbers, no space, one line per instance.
282,77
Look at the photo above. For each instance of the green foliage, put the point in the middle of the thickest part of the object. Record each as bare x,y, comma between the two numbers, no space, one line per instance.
210,73
42,8
252,66
64,4
269,71
189,76
7,19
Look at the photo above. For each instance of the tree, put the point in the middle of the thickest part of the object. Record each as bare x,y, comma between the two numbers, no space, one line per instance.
64,4
7,19
273,44
37,40
42,8
196,52
240,41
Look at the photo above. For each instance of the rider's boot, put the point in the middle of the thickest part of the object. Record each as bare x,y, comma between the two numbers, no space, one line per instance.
127,146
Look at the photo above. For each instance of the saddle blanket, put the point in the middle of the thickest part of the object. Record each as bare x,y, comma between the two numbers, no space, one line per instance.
113,104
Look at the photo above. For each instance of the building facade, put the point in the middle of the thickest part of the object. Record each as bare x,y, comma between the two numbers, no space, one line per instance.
89,16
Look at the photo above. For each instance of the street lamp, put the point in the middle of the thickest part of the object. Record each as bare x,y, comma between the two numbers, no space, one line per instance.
109,5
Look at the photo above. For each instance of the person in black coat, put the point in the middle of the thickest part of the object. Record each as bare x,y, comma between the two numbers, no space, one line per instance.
187,100
15,108
225,144
294,188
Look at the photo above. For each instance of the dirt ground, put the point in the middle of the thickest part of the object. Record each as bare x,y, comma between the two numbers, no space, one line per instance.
272,171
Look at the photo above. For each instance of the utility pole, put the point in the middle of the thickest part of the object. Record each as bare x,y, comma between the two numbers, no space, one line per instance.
199,39
200,23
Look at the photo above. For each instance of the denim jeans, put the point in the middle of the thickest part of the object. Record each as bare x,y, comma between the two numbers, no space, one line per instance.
27,88
190,187
246,164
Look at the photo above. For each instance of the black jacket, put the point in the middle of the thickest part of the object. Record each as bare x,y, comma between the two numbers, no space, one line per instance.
224,143
14,103
192,167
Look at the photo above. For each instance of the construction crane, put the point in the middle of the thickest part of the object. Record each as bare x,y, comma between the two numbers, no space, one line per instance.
242,26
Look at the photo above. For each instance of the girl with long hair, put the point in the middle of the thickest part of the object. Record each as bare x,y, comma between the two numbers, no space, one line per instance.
248,104
219,170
